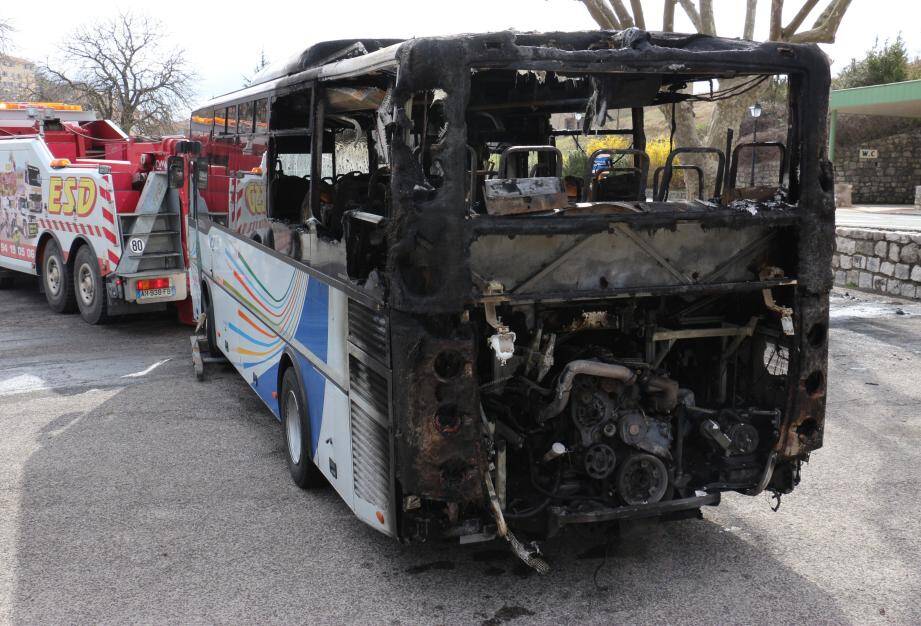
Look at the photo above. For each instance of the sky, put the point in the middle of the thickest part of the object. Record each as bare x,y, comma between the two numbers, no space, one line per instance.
223,45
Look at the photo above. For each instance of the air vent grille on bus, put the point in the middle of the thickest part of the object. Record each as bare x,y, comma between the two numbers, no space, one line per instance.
369,399
368,330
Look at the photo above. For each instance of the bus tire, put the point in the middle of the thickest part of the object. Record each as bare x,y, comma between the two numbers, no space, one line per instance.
89,288
296,425
57,280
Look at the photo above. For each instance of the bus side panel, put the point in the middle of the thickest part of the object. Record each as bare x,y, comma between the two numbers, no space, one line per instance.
328,408
262,304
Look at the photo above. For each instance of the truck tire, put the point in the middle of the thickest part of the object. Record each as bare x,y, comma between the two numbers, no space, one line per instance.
296,424
89,287
57,280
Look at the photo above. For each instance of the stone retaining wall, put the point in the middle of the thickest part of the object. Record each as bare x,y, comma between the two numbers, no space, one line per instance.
877,260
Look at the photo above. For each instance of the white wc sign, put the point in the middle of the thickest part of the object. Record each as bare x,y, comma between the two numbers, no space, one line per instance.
867,154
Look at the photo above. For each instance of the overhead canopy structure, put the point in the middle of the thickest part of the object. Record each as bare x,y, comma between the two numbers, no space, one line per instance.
893,99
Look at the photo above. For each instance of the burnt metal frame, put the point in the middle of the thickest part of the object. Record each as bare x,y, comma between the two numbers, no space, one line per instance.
695,168
437,218
754,145
504,158
669,168
641,167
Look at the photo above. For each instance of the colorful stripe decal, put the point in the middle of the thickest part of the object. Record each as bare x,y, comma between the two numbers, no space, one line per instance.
250,339
265,290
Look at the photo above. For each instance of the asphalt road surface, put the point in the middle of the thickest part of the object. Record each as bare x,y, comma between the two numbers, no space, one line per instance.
129,492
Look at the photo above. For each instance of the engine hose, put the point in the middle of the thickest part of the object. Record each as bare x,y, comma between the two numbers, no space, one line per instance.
586,367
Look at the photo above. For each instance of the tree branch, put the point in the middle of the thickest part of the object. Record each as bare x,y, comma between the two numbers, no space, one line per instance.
750,11
668,16
776,20
691,10
638,16
826,27
707,21
602,14
623,15
5,29
800,17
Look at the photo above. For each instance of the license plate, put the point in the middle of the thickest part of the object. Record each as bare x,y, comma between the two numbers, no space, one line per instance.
166,292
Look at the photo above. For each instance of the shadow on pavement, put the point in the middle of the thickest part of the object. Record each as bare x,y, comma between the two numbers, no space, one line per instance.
170,501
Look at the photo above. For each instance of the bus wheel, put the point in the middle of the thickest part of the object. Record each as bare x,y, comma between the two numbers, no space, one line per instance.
89,288
294,418
57,280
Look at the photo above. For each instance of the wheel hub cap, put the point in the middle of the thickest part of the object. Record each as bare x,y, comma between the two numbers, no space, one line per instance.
293,427
53,276
87,287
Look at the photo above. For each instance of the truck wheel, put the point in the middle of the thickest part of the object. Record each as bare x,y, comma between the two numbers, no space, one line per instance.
57,280
296,424
89,287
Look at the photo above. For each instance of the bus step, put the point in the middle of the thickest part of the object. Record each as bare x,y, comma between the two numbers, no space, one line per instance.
155,255
154,232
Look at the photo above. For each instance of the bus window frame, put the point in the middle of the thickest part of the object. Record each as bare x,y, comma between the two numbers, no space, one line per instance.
227,117
264,102
248,128
272,151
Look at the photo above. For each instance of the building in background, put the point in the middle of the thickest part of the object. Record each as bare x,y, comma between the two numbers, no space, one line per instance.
875,143
17,78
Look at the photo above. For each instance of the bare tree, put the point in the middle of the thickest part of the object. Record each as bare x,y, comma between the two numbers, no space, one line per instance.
46,89
124,69
614,15
5,30
260,65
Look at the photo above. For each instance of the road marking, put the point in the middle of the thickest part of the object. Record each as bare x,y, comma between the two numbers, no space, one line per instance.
147,371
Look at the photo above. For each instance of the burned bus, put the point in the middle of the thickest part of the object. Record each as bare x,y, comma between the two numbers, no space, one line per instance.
466,343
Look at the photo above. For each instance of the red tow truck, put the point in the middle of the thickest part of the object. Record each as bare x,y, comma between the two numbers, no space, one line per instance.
96,214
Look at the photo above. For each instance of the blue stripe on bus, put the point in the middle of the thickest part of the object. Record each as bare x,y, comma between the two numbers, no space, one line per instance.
313,329
265,344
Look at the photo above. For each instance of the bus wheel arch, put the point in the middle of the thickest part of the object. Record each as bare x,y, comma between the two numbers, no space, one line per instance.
283,364
295,421
210,324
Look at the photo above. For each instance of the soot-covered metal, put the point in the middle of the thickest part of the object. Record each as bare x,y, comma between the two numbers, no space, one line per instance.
592,355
